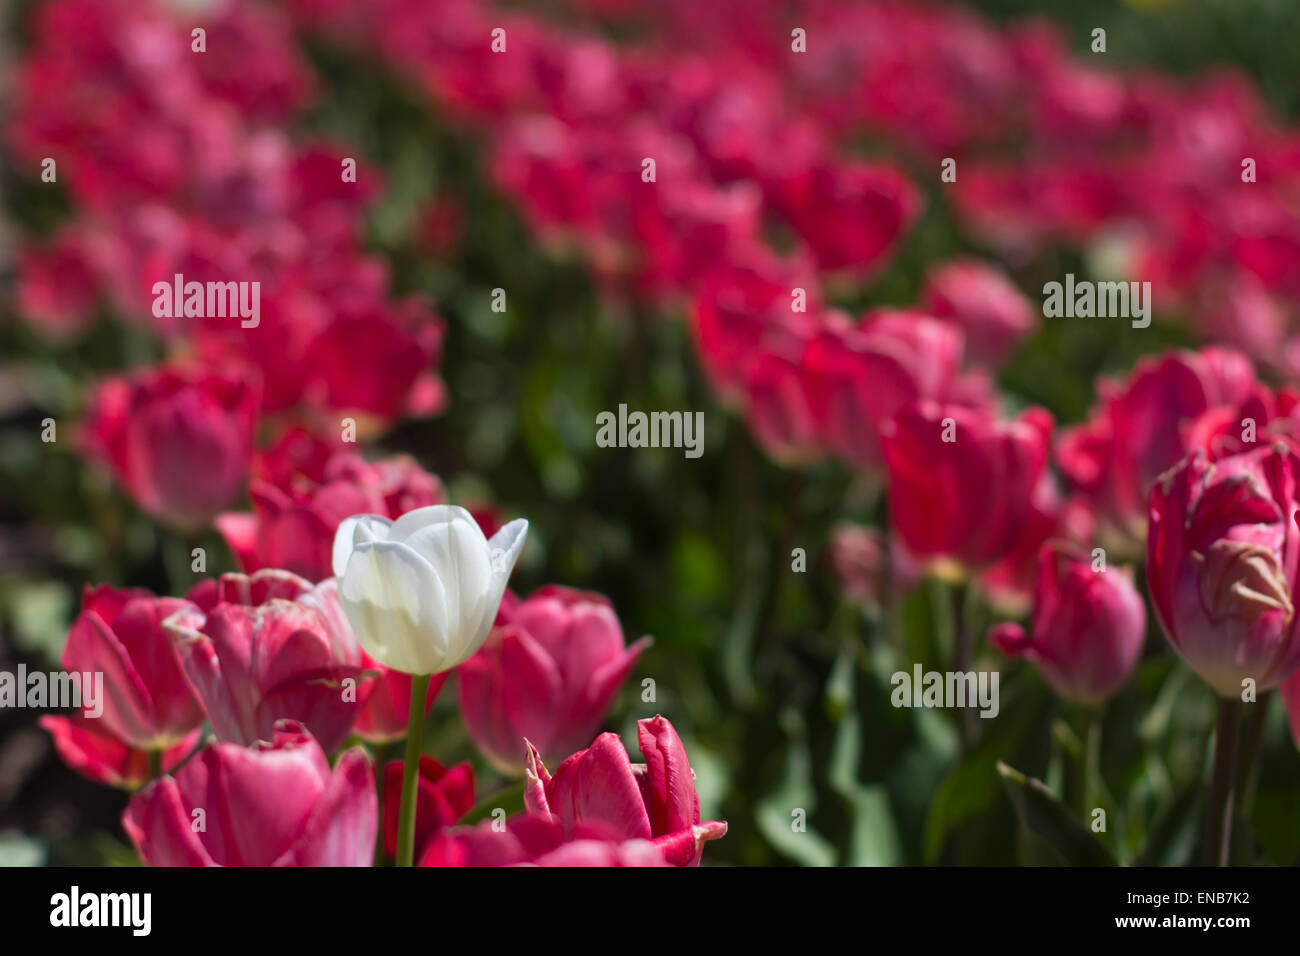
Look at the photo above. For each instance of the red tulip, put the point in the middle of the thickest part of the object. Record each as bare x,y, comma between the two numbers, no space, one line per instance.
989,307
1223,555
87,749
741,305
294,528
961,483
779,404
538,841
861,377
383,717
275,804
653,801
1087,627
255,658
850,214
442,797
178,439
548,673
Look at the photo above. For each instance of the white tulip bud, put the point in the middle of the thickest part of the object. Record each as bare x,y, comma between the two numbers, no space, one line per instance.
422,592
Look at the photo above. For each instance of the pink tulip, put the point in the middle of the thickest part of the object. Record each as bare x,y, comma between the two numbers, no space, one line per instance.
1141,429
529,840
1223,555
275,804
961,483
548,672
148,705
178,439
442,797
984,303
779,404
857,555
1087,626
272,647
293,528
653,801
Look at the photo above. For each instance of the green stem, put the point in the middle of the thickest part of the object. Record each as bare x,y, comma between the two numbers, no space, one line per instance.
411,772
155,763
1252,737
381,764
1089,761
1218,822
962,655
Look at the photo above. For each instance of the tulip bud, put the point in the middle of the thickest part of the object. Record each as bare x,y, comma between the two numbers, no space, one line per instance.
276,804
179,440
1087,627
961,483
422,592
442,797
149,704
987,305
549,675
1223,554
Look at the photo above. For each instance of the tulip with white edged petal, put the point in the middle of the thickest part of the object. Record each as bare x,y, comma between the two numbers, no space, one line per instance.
422,592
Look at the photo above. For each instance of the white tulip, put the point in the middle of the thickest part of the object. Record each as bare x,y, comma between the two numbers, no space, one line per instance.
422,592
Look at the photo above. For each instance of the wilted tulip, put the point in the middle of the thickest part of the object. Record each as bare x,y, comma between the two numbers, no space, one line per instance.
442,797
178,439
274,804
653,801
255,658
961,483
1087,626
1223,554
548,674
422,591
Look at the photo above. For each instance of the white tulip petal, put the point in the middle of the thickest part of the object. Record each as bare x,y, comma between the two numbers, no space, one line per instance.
397,605
413,521
458,553
504,548
356,530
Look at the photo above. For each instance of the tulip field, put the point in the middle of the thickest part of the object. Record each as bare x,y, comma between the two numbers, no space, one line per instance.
649,434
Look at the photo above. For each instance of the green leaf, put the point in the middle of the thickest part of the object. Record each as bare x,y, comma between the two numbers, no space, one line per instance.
873,834
1043,814
782,816
1173,833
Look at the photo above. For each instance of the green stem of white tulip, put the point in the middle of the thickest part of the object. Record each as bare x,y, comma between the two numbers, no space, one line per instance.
411,772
